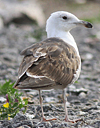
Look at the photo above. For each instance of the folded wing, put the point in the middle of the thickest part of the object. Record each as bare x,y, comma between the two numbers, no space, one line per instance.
47,64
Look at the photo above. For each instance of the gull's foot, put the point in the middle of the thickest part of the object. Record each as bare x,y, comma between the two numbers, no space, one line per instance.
73,121
44,119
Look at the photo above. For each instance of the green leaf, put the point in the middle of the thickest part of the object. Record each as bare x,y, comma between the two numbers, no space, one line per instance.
15,102
26,101
15,105
5,87
20,105
4,115
76,82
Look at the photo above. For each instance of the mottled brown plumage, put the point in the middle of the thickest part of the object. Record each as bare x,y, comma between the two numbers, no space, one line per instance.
53,61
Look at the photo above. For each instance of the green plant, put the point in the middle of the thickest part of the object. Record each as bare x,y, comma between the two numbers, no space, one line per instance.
13,103
76,82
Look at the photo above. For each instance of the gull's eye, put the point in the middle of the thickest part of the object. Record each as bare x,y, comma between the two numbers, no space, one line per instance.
64,17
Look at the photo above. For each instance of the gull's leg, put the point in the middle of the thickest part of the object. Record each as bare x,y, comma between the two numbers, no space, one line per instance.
40,98
43,118
66,112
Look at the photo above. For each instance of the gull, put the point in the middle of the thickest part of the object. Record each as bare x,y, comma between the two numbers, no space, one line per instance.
53,63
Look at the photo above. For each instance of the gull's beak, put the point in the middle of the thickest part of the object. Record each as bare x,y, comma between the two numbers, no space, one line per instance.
84,23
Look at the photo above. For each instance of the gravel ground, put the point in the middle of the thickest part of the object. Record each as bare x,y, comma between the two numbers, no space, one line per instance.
83,97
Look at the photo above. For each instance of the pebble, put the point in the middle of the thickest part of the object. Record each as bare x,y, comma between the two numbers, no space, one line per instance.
2,99
73,90
30,115
72,87
44,125
50,99
88,56
68,103
82,95
81,113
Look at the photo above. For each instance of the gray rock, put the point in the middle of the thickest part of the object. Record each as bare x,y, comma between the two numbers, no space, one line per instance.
82,95
87,56
25,11
44,125
2,99
73,90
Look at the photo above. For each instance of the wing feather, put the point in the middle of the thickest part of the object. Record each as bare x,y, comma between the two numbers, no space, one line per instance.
53,59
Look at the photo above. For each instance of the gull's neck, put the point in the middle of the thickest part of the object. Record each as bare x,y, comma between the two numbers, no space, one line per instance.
66,36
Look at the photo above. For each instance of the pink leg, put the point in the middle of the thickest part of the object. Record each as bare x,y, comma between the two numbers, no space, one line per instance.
43,118
66,112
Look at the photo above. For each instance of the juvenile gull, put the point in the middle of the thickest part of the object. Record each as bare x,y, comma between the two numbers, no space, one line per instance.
55,62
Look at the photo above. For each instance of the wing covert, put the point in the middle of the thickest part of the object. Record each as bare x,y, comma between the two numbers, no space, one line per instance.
52,59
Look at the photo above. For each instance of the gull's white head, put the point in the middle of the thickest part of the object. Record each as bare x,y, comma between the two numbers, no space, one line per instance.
63,21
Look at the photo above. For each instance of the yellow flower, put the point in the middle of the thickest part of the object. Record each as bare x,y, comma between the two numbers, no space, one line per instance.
6,105
8,117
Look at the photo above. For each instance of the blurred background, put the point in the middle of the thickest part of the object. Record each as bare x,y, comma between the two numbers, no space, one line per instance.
10,9
27,11
84,9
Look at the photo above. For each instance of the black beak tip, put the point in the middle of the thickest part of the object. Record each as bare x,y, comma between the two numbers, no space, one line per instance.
88,25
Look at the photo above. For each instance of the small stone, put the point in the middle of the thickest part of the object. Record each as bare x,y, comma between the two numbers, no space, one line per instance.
75,101
68,103
82,95
49,99
81,113
30,115
2,99
77,91
44,125
32,92
89,56
55,125
72,87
